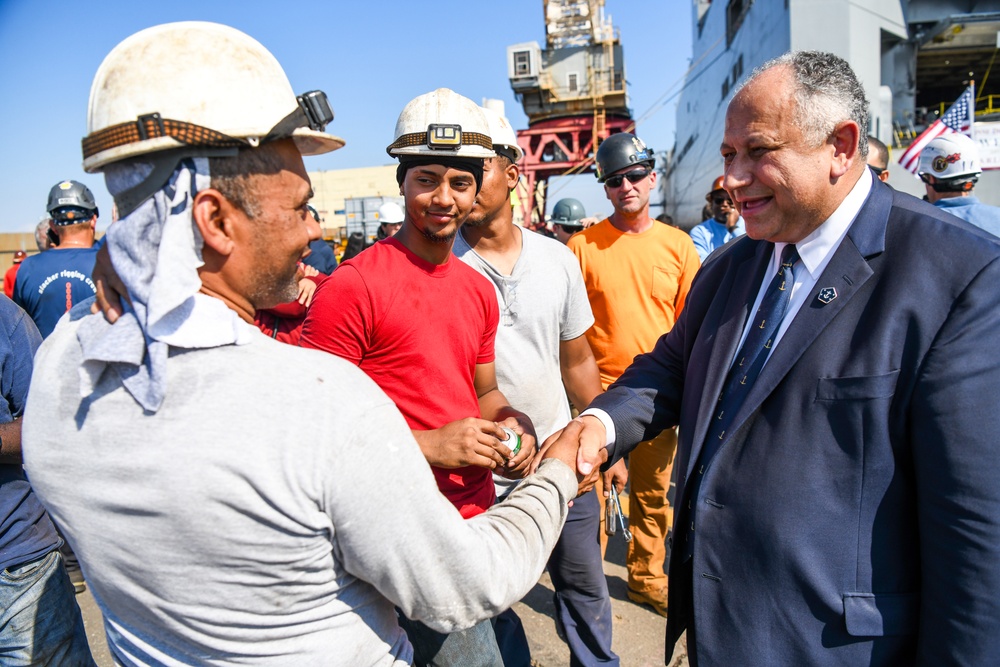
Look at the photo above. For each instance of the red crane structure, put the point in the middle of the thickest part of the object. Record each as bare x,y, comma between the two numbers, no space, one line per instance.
573,93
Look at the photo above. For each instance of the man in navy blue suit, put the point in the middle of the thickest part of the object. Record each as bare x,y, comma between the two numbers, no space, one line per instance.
838,477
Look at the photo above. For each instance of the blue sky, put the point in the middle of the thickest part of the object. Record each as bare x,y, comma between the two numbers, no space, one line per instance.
369,57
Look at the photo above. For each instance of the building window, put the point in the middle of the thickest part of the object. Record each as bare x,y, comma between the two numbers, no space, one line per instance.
738,68
572,82
736,11
702,9
522,63
725,89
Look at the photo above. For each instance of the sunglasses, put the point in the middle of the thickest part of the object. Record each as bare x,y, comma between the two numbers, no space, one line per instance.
569,229
632,176
719,201
878,170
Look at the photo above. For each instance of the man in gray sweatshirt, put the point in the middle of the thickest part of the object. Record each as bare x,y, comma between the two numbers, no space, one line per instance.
179,445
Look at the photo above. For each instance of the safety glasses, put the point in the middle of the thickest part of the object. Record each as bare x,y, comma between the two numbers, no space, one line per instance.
633,176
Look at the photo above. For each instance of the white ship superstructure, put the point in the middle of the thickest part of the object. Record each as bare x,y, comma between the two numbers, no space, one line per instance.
912,56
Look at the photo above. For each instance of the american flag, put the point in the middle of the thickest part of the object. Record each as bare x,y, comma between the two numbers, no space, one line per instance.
958,118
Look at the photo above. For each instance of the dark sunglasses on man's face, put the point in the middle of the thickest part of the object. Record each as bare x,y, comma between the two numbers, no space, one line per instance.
719,201
633,177
569,229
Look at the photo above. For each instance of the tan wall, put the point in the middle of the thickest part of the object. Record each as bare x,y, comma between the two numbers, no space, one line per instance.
332,187
11,243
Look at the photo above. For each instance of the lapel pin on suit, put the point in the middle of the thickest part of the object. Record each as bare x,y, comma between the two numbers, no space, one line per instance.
827,294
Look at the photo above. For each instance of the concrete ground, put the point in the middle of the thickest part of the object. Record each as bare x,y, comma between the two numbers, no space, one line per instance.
638,630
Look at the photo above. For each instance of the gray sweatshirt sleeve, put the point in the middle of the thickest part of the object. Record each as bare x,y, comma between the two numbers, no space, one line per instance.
394,529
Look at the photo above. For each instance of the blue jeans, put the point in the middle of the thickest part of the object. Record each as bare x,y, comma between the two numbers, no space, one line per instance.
40,622
475,647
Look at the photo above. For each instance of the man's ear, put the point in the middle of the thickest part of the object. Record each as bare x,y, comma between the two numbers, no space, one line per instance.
213,214
845,147
513,176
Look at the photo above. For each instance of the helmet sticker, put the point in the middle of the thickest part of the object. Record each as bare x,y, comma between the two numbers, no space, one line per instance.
941,162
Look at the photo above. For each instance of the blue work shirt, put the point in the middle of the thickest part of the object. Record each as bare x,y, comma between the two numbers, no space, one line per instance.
972,210
50,283
321,257
712,234
26,532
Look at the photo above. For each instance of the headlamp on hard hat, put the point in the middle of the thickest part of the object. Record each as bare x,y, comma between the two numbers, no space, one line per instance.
317,109
314,112
444,137
441,123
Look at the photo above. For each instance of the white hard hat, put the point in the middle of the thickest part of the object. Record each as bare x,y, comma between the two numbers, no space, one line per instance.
390,213
196,84
951,156
503,135
442,123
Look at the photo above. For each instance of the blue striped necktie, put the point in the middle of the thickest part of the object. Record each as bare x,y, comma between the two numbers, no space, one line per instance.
747,366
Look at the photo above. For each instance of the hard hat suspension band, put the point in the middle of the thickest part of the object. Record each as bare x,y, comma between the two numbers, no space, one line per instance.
957,184
505,151
313,111
152,126
432,140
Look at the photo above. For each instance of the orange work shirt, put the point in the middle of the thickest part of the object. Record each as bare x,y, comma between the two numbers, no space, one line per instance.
637,284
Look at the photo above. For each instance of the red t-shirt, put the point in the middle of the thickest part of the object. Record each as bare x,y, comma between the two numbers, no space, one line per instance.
284,322
418,330
8,280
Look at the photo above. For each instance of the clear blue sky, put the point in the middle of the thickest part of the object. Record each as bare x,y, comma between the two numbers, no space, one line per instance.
369,57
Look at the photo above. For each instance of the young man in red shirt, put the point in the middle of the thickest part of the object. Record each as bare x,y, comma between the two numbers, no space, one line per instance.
422,325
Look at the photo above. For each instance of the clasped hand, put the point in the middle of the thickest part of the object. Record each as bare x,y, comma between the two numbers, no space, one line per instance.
581,446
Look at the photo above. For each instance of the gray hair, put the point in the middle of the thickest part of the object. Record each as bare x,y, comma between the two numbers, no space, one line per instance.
41,230
827,92
233,176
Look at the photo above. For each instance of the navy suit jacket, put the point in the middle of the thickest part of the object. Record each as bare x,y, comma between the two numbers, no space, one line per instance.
854,516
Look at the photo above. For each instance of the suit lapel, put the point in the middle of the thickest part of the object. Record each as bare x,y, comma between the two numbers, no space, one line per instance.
727,324
847,271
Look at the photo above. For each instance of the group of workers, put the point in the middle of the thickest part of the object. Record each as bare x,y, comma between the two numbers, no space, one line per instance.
376,476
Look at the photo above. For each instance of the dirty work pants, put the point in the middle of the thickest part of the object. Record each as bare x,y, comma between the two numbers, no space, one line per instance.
649,514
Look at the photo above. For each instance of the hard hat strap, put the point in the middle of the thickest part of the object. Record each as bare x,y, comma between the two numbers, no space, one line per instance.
164,164
153,126
314,112
422,139
506,151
